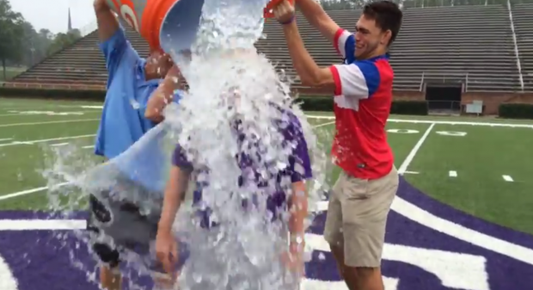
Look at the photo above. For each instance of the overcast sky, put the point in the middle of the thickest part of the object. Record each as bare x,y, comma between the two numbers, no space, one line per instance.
53,14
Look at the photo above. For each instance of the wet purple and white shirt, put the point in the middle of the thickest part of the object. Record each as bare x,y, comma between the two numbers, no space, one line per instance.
298,164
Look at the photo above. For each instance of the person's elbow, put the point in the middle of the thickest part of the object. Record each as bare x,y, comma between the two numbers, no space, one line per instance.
153,115
320,78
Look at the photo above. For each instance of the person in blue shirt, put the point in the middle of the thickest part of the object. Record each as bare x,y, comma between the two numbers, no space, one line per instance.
132,107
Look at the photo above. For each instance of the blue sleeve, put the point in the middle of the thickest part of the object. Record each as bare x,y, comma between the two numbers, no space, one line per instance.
117,49
349,48
371,75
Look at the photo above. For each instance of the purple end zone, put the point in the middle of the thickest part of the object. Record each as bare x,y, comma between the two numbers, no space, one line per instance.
38,258
416,197
503,272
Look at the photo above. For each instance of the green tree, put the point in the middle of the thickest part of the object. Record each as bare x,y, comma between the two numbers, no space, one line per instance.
62,40
11,35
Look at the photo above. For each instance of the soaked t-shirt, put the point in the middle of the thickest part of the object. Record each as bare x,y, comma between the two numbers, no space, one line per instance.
298,166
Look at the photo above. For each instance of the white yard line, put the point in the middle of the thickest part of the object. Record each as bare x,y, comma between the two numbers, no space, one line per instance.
58,114
507,178
325,124
92,107
31,142
5,139
460,232
412,154
48,122
28,191
59,144
38,189
42,224
439,122
452,173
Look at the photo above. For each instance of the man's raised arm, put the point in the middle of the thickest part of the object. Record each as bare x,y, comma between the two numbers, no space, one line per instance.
164,95
106,20
113,42
342,40
318,18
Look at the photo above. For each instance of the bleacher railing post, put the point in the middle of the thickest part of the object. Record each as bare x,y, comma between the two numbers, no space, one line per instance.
516,51
466,83
422,82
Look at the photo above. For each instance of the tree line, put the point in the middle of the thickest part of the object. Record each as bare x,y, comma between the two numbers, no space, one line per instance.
22,45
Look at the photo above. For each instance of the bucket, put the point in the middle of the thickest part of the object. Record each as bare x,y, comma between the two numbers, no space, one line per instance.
267,12
167,24
150,19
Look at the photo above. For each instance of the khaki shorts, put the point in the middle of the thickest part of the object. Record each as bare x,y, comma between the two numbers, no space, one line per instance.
357,215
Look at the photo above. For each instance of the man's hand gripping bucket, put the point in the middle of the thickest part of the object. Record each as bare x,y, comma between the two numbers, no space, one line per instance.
167,24
268,13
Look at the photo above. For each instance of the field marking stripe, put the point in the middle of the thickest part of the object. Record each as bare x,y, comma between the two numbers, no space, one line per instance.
42,224
31,190
415,149
31,142
510,125
322,125
49,122
25,192
43,114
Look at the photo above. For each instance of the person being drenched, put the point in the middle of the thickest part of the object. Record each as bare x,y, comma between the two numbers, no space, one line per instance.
284,190
129,112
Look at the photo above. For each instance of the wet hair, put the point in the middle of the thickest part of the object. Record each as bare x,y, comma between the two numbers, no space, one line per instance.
387,15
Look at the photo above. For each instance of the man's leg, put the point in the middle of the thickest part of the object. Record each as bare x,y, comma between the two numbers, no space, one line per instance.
333,232
365,207
110,277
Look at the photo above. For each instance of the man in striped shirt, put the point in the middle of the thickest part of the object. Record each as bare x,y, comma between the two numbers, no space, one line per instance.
362,87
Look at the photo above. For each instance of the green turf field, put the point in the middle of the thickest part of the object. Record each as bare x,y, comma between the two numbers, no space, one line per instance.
479,165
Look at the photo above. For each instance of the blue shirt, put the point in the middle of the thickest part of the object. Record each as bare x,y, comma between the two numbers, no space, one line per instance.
128,91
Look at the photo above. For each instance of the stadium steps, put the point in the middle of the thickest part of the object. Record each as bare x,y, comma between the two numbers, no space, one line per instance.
461,43
523,22
79,65
468,41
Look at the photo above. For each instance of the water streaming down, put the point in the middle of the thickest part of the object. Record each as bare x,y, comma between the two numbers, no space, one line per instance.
229,82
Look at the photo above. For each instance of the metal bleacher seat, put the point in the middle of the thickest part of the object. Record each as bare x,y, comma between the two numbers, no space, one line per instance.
472,43
461,43
469,44
82,63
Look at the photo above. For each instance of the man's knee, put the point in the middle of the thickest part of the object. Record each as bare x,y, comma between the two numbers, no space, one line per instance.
368,278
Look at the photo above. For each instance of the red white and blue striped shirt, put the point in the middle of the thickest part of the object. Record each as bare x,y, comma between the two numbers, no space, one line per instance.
363,98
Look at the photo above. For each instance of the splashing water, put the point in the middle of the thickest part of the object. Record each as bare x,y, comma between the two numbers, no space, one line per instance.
229,82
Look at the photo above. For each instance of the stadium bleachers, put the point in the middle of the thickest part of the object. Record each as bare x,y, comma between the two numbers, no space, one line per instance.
523,22
436,44
81,63
461,43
